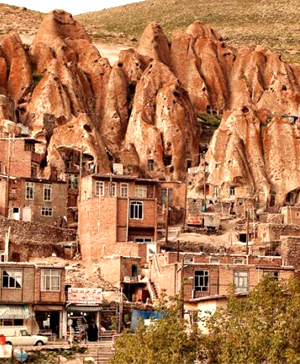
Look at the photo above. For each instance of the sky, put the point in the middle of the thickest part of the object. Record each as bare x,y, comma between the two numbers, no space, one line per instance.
71,6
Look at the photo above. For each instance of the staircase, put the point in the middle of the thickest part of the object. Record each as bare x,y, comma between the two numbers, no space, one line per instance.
101,351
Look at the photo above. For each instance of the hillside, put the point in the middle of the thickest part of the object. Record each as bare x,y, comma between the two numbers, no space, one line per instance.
273,24
20,19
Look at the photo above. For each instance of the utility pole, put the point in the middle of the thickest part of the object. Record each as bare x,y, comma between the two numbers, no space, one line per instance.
203,155
167,216
182,288
247,232
120,326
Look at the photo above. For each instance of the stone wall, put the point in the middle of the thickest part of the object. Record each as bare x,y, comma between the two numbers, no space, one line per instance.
28,239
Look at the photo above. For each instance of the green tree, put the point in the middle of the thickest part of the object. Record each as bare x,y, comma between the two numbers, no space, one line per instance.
262,328
168,340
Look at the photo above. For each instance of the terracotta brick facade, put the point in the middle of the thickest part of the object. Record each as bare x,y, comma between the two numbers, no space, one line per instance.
21,206
18,157
115,268
166,272
30,290
106,224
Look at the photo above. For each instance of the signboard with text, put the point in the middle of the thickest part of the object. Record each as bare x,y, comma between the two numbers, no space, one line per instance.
85,295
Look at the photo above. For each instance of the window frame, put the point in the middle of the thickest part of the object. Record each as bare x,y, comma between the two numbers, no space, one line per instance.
99,189
197,279
136,210
29,186
164,196
139,191
47,280
150,165
73,181
143,239
47,187
232,191
113,189
45,211
236,277
13,276
216,191
124,185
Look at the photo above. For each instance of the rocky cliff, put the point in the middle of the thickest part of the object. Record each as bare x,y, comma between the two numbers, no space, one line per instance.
146,110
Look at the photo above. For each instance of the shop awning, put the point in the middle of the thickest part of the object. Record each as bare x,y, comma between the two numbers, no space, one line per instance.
47,308
14,312
84,308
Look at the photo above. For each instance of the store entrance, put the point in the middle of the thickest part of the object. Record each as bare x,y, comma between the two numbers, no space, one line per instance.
83,322
48,322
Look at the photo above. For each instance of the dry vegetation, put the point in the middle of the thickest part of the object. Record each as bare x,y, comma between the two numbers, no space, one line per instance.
22,20
270,23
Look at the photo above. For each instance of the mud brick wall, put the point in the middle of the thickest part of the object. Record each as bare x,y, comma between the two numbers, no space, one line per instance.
29,239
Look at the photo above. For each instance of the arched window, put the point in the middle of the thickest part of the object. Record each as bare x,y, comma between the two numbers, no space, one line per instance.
136,210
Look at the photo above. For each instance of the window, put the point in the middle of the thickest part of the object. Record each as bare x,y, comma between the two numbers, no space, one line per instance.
142,240
188,163
124,189
150,165
33,171
11,322
12,278
136,210
113,189
50,280
29,147
73,181
47,192
214,261
232,191
201,280
217,165
241,281
238,261
99,188
164,196
46,211
29,190
272,273
167,159
216,191
141,191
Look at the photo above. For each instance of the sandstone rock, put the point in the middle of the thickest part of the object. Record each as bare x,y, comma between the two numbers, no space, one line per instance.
20,76
79,134
203,64
163,116
132,64
154,44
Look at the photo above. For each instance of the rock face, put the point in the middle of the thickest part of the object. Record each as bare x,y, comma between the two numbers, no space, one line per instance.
162,115
146,110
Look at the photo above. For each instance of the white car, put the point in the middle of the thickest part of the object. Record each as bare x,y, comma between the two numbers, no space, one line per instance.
22,337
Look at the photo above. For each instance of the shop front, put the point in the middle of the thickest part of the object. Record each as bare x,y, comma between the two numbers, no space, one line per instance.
83,312
49,319
17,315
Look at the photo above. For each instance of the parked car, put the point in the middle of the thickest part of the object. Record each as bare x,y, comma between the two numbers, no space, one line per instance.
21,337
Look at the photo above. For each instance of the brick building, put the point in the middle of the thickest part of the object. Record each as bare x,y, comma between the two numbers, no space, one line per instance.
205,275
33,296
33,199
177,201
117,215
125,272
18,157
